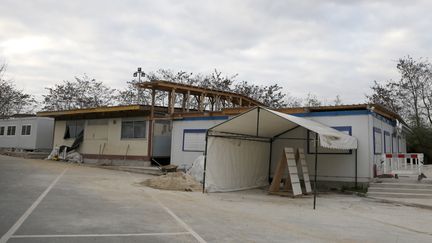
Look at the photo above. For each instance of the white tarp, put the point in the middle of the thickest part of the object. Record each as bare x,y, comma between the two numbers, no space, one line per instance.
262,122
234,164
237,164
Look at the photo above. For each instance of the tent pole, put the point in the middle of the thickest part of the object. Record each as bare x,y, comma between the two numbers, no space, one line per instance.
356,159
316,165
270,160
205,162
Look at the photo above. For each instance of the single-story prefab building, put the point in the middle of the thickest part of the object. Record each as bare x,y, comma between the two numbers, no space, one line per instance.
138,134
376,129
114,135
27,132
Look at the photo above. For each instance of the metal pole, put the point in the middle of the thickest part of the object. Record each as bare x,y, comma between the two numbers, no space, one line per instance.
316,166
270,160
355,183
205,162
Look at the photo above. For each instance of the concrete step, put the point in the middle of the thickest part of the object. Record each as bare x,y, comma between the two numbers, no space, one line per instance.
400,190
136,169
418,185
398,195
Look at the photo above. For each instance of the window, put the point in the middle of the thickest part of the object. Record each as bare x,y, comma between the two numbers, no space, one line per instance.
321,150
377,138
133,129
394,143
11,130
387,142
194,140
25,129
400,145
73,129
2,130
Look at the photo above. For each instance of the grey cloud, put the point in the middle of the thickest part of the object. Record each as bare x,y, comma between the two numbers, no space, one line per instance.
323,47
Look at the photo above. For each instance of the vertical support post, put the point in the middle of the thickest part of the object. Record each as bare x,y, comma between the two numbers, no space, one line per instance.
153,101
172,101
316,170
258,116
184,102
217,102
205,162
151,122
201,102
270,160
356,159
188,101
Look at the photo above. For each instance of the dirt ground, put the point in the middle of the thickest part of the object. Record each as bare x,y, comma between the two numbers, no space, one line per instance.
43,201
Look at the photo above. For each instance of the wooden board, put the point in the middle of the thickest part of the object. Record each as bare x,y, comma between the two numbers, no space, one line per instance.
304,170
292,182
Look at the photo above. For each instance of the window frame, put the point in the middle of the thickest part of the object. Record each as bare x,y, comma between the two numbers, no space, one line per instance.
192,131
75,124
2,130
133,130
377,130
387,134
14,130
29,131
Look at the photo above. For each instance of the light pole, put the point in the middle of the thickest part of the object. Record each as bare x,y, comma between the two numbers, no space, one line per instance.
139,74
140,95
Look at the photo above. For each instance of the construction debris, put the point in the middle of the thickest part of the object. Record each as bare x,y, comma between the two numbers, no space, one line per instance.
71,156
175,181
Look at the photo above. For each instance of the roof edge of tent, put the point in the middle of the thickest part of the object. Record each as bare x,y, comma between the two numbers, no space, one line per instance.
234,117
354,141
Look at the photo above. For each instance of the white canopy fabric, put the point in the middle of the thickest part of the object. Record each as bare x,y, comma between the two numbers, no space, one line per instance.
263,122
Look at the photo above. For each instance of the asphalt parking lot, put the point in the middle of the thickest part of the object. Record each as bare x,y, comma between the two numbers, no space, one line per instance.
44,201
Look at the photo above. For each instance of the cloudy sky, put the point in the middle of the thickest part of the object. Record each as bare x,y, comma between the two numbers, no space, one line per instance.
327,47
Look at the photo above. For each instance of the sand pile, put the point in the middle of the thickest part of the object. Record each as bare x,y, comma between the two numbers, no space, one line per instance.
176,181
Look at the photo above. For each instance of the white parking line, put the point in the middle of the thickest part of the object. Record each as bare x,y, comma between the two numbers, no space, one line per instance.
179,221
98,235
27,213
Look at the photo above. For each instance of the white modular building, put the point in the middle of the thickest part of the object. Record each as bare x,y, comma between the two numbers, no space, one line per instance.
376,129
27,133
188,138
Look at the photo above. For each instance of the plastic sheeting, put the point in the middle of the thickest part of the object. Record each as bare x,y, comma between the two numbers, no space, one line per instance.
234,164
197,169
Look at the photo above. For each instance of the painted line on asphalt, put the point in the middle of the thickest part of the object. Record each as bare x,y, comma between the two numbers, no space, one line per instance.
179,220
27,213
100,235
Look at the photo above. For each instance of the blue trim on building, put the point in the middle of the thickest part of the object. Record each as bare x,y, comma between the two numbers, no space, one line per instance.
333,113
346,113
204,118
191,131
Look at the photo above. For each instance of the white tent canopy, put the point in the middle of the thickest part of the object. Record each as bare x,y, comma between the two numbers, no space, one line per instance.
262,122
238,150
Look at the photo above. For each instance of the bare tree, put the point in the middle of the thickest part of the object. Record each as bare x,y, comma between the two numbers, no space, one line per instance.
411,95
311,101
13,100
83,92
337,100
271,95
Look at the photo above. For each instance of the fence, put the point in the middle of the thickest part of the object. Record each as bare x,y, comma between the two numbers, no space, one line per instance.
407,163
